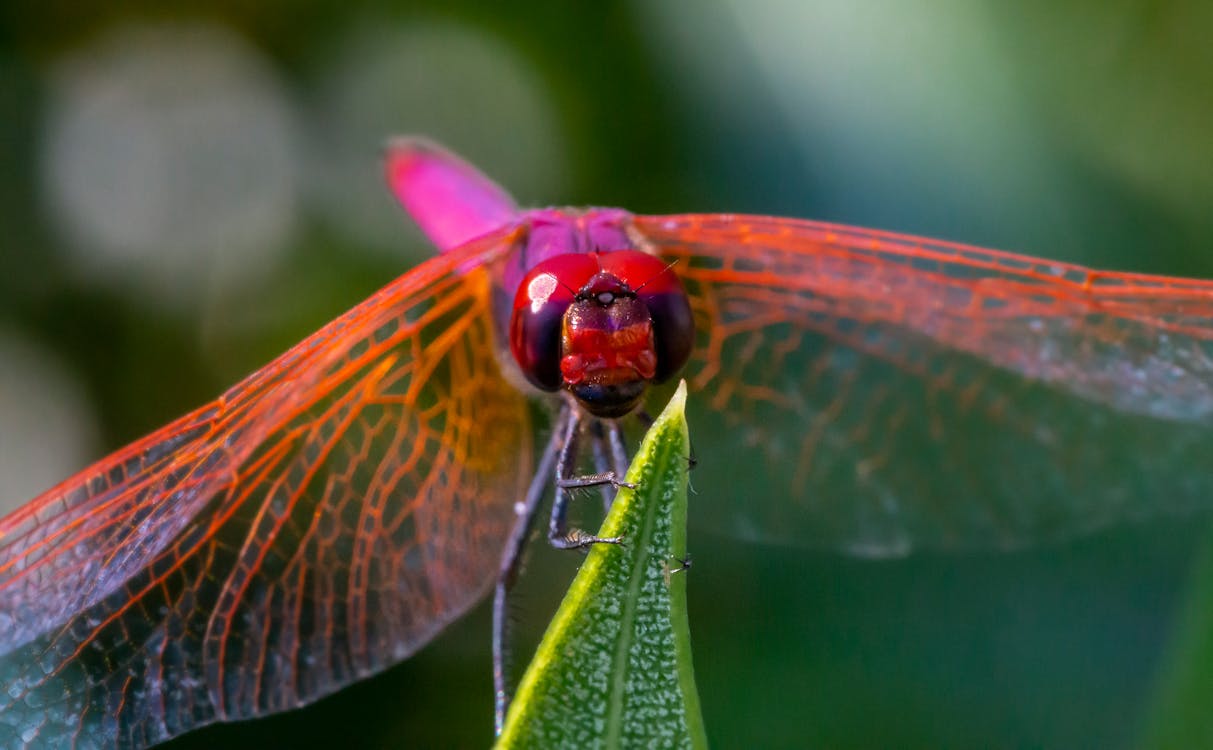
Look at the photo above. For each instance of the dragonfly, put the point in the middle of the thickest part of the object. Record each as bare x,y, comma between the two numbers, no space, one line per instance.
330,514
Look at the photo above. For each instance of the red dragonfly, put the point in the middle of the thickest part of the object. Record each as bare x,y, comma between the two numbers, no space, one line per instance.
327,516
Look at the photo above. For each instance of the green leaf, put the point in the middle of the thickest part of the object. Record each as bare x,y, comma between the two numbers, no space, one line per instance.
614,668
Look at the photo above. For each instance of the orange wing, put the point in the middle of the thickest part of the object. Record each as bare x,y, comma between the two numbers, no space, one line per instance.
885,391
320,521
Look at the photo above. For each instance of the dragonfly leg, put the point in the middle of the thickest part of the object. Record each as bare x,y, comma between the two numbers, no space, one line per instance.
559,533
645,418
511,563
598,440
613,438
619,451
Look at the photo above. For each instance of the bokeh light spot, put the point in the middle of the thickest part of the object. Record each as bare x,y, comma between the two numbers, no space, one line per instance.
465,89
170,160
47,428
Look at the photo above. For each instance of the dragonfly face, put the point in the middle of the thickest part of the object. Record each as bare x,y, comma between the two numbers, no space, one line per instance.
327,516
602,326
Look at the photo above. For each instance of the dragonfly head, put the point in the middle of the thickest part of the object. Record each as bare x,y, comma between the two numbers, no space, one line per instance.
602,326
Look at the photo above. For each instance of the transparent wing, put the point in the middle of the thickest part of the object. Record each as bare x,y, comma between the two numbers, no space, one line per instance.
319,522
883,392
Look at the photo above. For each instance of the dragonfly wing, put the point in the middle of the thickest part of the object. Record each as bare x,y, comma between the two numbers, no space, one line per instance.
900,392
319,522
72,546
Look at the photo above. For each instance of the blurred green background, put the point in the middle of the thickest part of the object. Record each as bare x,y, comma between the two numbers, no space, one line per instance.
187,189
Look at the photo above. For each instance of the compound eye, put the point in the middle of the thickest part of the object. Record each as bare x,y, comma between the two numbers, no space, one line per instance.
673,329
539,306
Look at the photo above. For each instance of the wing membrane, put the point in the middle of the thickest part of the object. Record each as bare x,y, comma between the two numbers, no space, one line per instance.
902,392
320,521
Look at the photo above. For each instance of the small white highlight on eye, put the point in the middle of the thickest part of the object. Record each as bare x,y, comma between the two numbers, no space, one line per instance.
541,289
